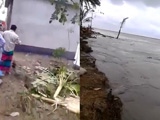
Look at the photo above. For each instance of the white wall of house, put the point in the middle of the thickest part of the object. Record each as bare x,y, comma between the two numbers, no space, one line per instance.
32,18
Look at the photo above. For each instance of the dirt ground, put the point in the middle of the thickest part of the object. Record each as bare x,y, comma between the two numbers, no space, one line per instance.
12,85
97,103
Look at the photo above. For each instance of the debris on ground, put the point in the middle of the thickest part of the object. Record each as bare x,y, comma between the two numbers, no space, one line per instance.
14,114
50,82
31,90
1,81
82,71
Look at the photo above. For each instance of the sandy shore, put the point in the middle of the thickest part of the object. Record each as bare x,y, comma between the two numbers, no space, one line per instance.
132,64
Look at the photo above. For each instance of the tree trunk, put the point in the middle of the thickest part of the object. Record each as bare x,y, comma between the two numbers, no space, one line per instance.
122,23
119,33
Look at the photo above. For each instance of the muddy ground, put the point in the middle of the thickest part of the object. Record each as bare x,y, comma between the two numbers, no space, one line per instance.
97,101
12,85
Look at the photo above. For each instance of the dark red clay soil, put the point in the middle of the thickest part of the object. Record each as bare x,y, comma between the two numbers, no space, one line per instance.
97,103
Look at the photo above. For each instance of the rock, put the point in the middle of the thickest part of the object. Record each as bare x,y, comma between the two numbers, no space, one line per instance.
103,35
76,67
14,114
37,64
36,72
51,63
27,55
39,69
1,81
82,71
97,88
26,68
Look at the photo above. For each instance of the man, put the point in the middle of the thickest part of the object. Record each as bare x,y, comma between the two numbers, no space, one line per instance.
2,42
11,39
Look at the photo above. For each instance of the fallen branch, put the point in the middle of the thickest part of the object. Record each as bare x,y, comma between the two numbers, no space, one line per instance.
72,104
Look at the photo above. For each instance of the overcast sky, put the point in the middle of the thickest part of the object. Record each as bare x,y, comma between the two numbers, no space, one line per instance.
144,16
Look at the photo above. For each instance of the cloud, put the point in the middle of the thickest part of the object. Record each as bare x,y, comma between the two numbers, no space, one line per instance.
143,20
117,2
149,3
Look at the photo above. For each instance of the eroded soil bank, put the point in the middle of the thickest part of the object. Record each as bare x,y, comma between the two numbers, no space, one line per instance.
97,101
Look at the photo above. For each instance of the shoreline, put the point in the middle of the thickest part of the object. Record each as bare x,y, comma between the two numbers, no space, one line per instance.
97,103
132,34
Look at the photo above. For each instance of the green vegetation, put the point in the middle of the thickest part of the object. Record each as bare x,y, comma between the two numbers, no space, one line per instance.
59,52
61,10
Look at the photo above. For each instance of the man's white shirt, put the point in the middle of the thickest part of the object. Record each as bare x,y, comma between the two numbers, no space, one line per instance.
2,40
11,39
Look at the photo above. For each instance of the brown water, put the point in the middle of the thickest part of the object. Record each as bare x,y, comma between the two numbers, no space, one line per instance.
132,64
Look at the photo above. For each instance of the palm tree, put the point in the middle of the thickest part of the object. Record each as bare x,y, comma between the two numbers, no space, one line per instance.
61,9
2,3
86,7
122,23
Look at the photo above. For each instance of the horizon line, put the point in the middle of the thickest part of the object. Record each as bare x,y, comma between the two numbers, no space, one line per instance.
127,33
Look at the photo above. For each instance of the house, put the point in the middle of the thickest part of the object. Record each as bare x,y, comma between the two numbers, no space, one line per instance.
36,33
3,15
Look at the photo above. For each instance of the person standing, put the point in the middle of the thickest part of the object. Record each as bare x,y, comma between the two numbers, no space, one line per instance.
2,42
11,39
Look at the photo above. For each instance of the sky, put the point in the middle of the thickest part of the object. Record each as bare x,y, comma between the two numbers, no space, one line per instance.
144,16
